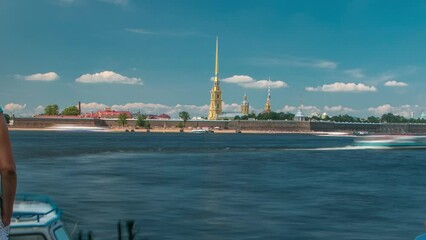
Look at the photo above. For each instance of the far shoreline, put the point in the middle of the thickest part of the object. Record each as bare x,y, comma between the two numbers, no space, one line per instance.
170,130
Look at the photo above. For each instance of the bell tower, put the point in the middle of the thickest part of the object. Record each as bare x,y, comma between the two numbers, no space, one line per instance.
268,101
216,93
245,107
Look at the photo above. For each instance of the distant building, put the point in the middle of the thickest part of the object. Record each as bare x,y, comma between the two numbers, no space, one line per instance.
268,102
216,94
245,106
299,116
107,113
159,117
423,116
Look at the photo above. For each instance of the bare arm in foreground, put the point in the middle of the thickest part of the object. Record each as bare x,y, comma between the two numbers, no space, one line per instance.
8,173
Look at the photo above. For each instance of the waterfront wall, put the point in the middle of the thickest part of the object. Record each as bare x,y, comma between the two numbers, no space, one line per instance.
266,126
49,122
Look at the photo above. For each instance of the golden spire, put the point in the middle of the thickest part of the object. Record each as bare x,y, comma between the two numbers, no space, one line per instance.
216,93
216,69
268,99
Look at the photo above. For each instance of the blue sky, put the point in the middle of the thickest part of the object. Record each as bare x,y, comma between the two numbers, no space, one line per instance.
357,57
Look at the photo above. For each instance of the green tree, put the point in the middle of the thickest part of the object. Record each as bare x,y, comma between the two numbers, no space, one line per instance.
373,119
184,116
147,125
345,118
391,118
70,111
275,116
122,119
140,122
51,110
250,115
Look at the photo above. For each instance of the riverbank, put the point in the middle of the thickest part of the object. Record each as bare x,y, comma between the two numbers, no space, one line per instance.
165,130
226,126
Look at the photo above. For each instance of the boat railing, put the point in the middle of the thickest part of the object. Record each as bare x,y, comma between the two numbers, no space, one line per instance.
35,216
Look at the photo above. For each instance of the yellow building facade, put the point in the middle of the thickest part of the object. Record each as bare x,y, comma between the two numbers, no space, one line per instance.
245,106
216,93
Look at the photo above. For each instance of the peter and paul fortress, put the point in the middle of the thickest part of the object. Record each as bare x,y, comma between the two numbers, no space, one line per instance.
268,102
216,93
245,106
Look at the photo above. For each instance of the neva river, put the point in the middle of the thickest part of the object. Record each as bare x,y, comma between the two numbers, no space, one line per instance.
226,186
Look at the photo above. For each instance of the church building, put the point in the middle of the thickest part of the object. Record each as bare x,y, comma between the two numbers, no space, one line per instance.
267,108
245,106
216,93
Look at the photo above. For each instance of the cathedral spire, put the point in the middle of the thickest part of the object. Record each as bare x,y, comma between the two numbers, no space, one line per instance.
268,99
216,69
216,93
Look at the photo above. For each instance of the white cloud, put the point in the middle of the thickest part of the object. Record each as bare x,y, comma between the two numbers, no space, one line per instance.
148,108
39,109
231,108
46,77
342,87
249,82
13,107
165,33
403,110
296,62
140,31
155,108
307,110
324,64
93,106
338,108
394,83
356,73
108,77
238,79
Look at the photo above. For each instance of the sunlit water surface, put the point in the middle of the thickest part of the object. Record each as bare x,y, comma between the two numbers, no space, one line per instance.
226,186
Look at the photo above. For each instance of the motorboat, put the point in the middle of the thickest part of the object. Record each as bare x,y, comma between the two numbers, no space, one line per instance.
391,141
201,130
76,128
36,217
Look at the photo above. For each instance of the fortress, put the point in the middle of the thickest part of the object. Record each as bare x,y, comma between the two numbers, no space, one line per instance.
234,125
218,122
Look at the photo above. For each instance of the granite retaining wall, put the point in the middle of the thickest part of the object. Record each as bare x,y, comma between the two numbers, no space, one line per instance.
242,125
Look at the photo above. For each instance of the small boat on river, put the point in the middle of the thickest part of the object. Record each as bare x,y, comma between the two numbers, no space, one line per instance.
392,141
36,217
201,130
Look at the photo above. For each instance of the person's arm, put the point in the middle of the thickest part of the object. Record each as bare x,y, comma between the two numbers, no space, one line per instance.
8,173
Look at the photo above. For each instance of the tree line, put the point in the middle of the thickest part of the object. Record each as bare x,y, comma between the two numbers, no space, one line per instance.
54,110
141,120
385,118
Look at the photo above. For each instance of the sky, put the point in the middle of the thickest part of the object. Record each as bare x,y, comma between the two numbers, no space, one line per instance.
357,57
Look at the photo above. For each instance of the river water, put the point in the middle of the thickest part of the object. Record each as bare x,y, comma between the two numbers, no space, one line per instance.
226,186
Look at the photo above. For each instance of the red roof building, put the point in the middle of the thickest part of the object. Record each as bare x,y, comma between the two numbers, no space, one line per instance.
107,113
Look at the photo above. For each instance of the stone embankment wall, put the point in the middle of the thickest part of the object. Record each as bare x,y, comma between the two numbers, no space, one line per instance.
267,126
49,122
